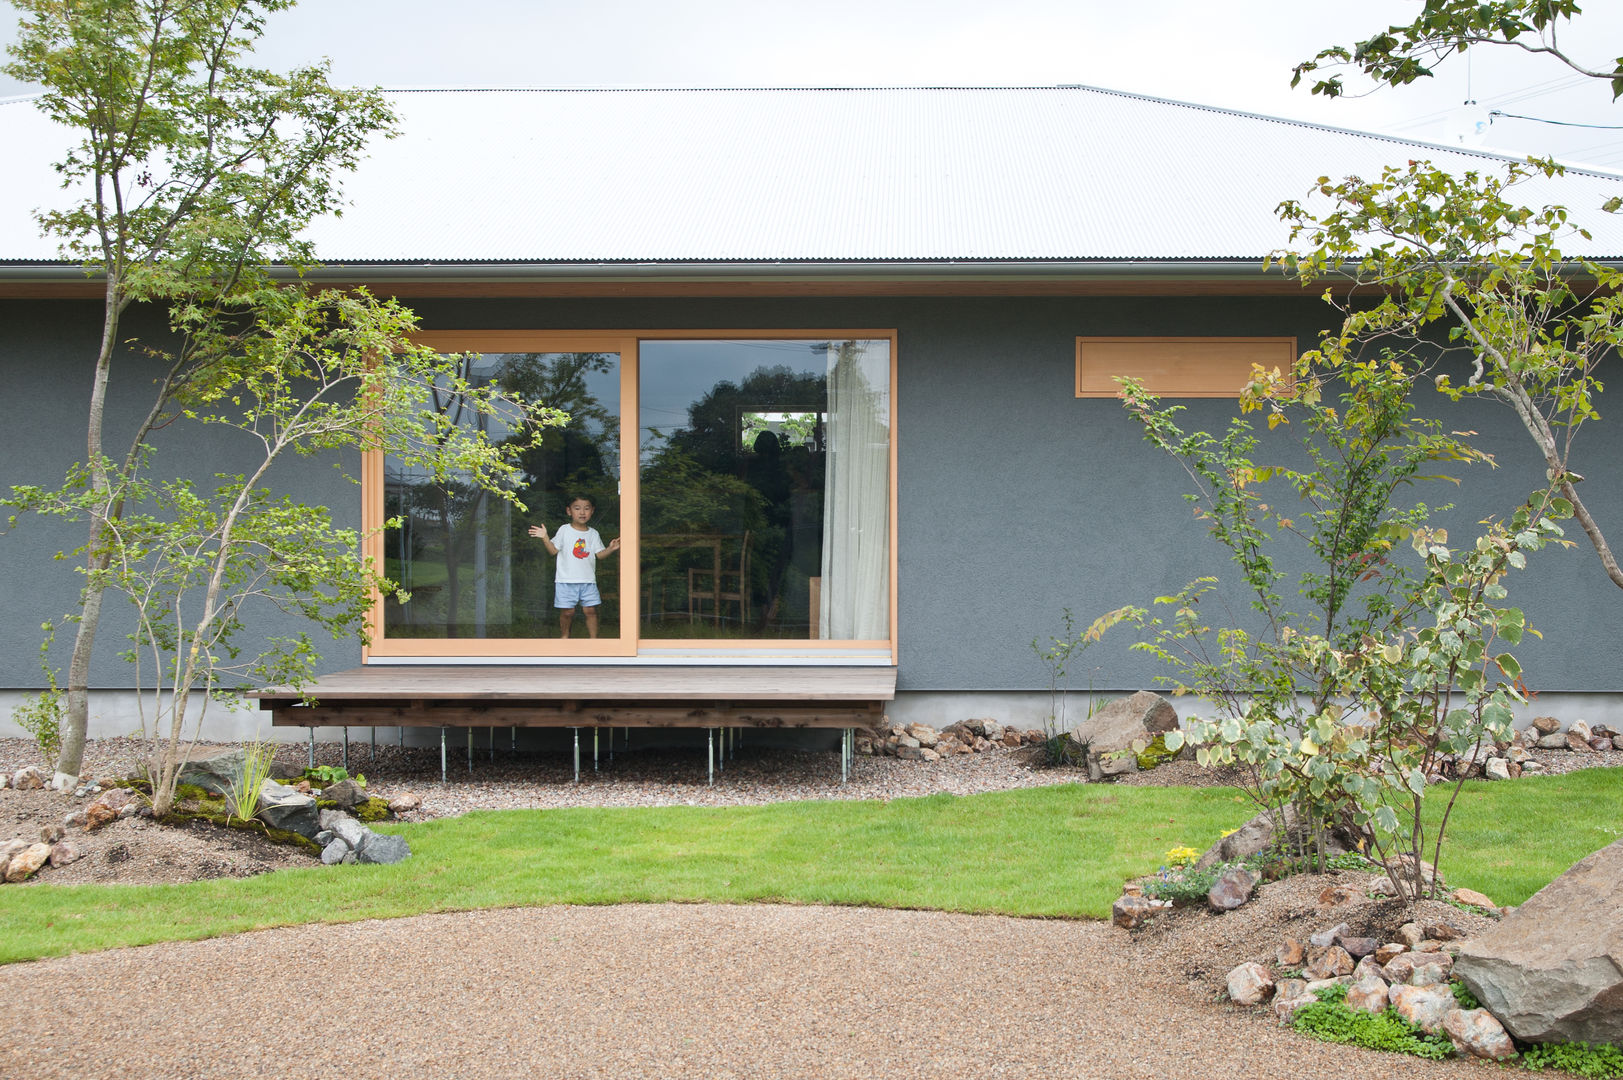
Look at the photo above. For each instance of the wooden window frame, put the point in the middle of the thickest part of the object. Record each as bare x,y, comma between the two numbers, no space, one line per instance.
629,644
1184,356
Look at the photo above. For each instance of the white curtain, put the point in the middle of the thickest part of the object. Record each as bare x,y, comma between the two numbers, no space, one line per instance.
856,524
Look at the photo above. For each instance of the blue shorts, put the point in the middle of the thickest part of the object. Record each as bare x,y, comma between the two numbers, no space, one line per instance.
566,594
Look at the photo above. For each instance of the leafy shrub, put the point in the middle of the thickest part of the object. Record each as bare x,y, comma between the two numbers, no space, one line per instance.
1331,1020
1580,1059
1186,885
41,716
326,775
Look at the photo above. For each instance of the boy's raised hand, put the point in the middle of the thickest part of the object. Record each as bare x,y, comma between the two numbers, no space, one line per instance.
614,545
538,531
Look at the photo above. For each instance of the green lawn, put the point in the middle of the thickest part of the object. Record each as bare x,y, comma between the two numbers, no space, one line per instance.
1060,851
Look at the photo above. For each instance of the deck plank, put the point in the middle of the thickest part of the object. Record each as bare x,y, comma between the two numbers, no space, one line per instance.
553,683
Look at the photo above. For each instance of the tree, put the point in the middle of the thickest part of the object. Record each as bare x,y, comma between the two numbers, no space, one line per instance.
1453,261
319,372
1401,54
195,174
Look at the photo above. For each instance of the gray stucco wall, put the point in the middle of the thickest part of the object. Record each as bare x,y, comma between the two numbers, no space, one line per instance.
1016,499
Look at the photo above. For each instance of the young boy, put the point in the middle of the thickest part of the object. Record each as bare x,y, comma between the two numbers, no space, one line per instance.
577,547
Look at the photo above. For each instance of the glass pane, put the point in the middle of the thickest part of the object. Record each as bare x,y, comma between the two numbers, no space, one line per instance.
765,501
470,561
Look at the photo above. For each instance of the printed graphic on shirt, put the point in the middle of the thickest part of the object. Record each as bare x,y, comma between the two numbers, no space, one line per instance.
580,549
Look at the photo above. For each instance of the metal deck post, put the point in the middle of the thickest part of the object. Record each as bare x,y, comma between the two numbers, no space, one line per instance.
442,754
493,744
513,735
374,745
595,730
470,751
346,748
577,754
710,756
312,747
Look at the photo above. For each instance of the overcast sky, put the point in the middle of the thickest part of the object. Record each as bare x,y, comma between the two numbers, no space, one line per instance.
1234,55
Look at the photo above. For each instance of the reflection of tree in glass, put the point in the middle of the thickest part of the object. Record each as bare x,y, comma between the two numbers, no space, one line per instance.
579,458
703,480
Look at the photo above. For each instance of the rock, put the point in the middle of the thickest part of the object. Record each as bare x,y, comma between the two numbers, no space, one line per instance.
1580,729
1369,967
1578,742
1428,946
1357,947
1442,931
1231,890
281,807
1497,768
1546,725
1326,938
1033,737
1558,741
347,829
214,773
1474,899
1285,1008
346,794
29,778
383,850
74,819
1336,895
334,853
1118,764
1130,912
1533,766
405,803
1315,985
1250,984
1477,1033
925,734
1428,975
50,834
1401,969
909,753
1600,743
1385,953
908,742
1118,723
324,837
1552,971
1331,963
1368,994
928,754
1517,755
64,852
26,862
1411,934
1424,1006
1012,738
1290,953
991,731
98,814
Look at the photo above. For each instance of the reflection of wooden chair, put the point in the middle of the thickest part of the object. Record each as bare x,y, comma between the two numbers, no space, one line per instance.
721,587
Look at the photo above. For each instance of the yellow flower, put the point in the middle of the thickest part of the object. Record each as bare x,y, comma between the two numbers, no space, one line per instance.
1182,856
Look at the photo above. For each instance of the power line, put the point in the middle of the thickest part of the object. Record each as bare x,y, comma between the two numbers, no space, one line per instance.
1558,123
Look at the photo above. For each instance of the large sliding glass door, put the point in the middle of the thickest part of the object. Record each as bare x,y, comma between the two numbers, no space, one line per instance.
765,469
754,509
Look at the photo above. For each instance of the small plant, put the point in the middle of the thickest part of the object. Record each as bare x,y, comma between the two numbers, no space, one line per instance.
1183,884
41,714
327,775
1330,1019
1058,748
1463,995
242,795
1182,856
1580,1059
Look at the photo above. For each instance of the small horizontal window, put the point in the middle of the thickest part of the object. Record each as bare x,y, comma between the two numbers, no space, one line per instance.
1177,366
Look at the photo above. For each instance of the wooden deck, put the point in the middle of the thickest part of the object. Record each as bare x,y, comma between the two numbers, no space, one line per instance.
694,696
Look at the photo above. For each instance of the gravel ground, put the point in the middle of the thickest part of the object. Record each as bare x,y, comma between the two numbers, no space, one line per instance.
653,991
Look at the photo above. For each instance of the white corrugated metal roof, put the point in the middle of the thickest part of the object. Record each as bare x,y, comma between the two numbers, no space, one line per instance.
1058,173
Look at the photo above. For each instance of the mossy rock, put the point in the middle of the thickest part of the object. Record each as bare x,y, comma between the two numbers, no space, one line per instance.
193,792
254,825
373,809
1155,753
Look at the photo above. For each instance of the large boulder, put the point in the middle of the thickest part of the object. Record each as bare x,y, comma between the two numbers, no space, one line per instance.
1113,728
281,807
382,849
1552,970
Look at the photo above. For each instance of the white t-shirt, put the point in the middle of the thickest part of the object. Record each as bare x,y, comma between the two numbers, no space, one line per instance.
577,554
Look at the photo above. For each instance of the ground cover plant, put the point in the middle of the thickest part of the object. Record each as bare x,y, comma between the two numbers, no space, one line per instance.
1060,851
